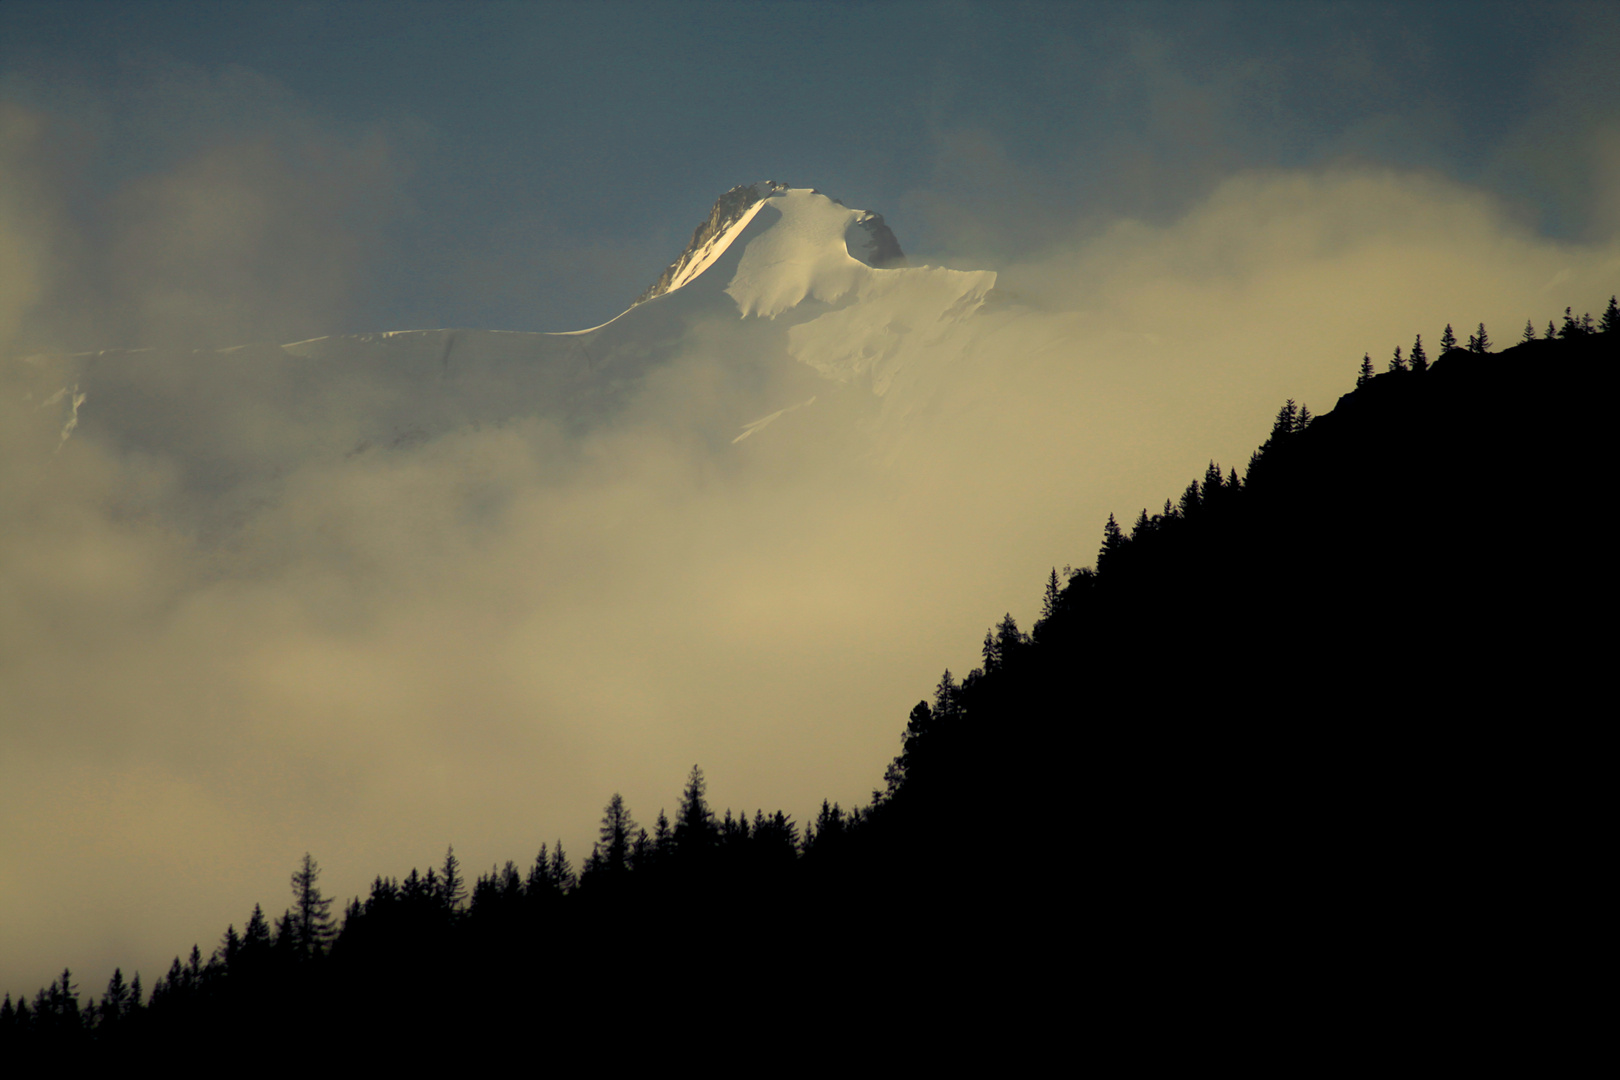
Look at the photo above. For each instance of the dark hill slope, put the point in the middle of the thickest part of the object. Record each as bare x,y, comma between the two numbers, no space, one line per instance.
1323,725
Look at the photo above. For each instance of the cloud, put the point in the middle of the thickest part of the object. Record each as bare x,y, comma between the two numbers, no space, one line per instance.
232,214
476,635
26,217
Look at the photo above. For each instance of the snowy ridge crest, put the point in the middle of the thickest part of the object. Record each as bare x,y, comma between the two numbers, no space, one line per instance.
728,210
868,240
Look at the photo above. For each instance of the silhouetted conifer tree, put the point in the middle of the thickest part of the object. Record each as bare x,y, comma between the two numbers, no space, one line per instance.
776,838
1420,359
1287,421
1365,375
1052,597
1448,340
695,830
115,1002
539,880
1191,500
611,855
1009,640
947,700
310,923
1610,321
194,969
256,935
452,885
990,652
230,949
827,831
562,871
1113,543
1397,363
1529,332
1480,342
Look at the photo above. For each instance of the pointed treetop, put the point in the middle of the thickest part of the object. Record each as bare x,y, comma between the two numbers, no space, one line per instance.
452,884
1287,421
695,827
617,833
1050,598
1113,541
310,919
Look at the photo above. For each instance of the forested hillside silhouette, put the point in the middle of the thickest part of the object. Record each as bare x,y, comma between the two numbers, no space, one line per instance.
1293,731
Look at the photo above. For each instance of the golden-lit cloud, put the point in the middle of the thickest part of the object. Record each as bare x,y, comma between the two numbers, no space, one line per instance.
476,635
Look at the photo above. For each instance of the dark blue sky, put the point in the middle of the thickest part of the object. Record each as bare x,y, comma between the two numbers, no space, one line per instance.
533,166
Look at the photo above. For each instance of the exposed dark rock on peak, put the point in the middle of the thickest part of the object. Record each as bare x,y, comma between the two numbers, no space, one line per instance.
882,249
728,208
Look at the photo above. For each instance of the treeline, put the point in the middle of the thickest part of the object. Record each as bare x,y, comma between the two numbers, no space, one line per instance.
1271,706
436,925
1479,342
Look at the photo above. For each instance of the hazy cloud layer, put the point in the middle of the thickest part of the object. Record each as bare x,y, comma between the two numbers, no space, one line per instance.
478,637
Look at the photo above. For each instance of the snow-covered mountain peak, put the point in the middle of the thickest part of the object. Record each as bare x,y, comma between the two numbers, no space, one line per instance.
804,235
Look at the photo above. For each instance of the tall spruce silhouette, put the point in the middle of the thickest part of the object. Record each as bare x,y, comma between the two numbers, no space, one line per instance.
695,830
310,926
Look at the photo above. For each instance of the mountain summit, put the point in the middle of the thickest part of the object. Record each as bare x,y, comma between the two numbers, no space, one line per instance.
865,236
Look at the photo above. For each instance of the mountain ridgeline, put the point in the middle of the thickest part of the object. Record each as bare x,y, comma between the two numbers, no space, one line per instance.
728,209
881,248
1295,729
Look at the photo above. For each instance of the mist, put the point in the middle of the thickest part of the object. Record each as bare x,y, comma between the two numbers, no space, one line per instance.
233,629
